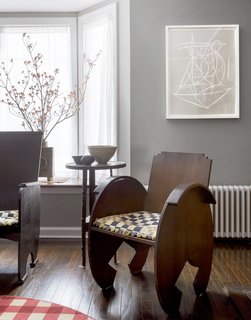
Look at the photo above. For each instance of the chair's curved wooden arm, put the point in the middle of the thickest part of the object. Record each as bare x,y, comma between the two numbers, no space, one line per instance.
176,195
118,194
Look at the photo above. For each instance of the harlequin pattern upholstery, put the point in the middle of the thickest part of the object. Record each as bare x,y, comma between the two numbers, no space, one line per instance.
142,224
8,218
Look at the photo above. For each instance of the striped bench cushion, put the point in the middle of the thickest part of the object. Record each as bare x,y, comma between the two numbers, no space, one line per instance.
142,224
8,217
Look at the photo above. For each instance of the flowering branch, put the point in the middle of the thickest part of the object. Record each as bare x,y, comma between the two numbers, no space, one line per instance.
36,97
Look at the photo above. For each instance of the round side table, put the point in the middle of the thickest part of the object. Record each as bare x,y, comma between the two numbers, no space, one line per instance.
91,170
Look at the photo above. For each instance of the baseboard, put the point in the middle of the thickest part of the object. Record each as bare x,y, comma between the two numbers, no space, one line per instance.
60,232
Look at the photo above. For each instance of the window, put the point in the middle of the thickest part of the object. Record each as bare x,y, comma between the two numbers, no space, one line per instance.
98,121
56,39
98,118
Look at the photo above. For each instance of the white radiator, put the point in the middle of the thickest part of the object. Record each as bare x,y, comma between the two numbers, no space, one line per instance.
231,213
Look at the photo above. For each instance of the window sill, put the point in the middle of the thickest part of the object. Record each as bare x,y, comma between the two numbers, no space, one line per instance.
61,185
60,182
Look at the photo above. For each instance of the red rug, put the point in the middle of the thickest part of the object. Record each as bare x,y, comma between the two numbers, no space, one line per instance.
19,308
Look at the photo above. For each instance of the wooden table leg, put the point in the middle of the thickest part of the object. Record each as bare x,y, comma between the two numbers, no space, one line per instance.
91,189
83,220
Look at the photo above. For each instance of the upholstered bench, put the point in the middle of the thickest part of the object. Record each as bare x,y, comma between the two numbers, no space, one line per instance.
142,224
8,218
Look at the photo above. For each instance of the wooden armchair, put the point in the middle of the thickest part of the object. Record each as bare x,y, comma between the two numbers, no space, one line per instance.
173,215
20,194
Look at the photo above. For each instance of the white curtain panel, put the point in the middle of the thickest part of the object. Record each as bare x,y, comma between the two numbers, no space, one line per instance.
99,105
98,121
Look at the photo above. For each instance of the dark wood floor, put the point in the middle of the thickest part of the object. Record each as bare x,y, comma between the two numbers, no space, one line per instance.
58,278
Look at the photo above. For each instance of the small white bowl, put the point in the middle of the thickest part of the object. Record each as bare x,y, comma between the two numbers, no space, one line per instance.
102,153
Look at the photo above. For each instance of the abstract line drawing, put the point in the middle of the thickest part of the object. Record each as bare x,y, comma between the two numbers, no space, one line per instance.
202,82
202,71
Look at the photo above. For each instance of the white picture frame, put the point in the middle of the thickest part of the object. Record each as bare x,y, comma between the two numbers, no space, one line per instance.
202,72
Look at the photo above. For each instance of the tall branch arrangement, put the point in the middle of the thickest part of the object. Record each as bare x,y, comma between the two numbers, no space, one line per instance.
36,97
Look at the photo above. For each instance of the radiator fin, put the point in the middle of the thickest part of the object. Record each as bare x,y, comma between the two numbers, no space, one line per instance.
231,213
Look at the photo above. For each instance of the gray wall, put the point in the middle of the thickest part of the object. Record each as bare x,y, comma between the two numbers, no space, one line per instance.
61,211
226,141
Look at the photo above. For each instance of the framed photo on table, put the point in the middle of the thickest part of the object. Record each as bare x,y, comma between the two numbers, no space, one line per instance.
202,71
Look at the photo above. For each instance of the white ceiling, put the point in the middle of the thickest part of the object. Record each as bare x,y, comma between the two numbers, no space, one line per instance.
46,5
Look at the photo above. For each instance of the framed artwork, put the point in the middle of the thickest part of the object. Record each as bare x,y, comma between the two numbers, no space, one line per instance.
202,71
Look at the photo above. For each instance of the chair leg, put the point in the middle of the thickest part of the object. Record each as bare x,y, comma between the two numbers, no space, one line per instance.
167,272
203,274
139,259
170,299
23,254
34,252
27,246
201,242
201,280
102,248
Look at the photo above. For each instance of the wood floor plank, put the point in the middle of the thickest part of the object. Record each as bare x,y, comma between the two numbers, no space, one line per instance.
58,278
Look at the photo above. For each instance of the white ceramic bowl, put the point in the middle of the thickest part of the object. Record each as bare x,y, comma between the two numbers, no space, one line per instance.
102,153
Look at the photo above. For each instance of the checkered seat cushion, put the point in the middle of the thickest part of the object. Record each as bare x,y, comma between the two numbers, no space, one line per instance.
142,224
8,218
